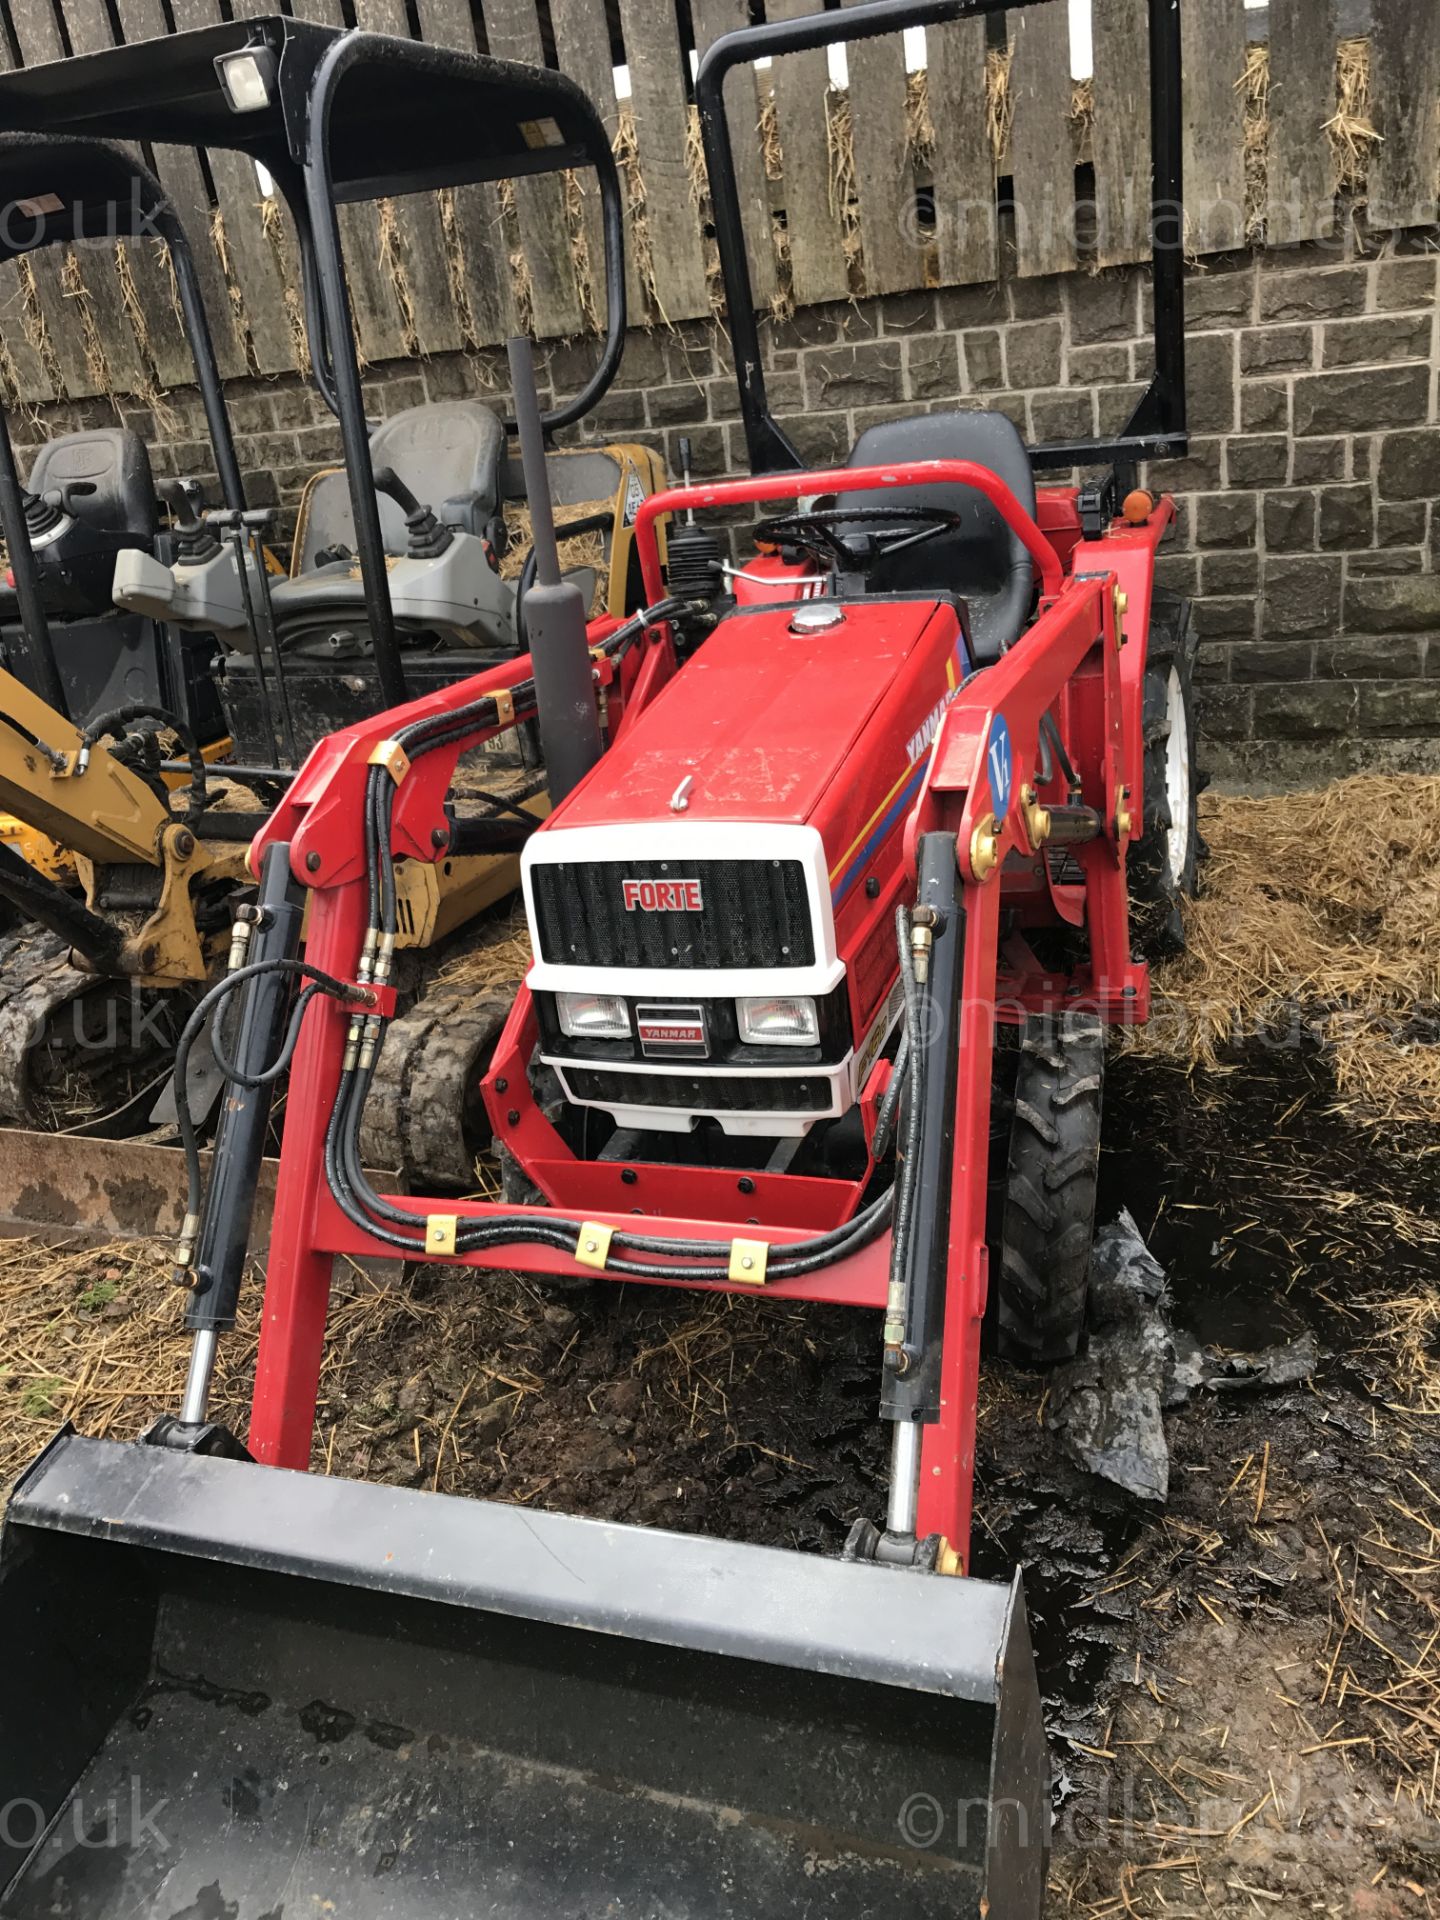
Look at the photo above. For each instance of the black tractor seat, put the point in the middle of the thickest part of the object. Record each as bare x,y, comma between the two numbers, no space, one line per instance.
982,561
89,494
103,478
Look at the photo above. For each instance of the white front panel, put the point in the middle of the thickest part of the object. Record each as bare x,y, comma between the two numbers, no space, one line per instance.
688,840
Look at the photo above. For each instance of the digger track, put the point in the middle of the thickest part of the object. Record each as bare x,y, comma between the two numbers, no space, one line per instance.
424,1118
56,1074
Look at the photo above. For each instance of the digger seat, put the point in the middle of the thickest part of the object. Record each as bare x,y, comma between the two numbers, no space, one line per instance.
448,453
104,480
982,561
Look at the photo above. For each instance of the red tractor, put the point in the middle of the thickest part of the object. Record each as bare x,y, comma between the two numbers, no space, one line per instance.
825,823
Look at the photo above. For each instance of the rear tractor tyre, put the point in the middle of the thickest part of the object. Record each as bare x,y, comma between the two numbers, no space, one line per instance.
1048,1217
1163,856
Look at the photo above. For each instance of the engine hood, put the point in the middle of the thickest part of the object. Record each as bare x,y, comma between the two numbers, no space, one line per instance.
762,721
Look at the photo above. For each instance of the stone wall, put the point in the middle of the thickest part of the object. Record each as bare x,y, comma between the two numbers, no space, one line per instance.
1308,528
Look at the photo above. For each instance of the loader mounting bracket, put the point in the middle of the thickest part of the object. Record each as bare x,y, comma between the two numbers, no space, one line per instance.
214,1441
1099,504
866,1541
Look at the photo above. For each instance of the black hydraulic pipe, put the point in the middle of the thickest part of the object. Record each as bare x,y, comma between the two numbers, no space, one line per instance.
569,713
912,1392
38,647
495,833
260,618
246,776
39,899
224,1235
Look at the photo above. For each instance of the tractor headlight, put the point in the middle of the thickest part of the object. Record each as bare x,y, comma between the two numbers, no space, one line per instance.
779,1020
593,1016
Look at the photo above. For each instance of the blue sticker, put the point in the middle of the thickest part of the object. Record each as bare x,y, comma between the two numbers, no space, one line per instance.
998,764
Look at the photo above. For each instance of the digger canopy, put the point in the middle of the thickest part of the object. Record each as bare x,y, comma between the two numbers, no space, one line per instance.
336,115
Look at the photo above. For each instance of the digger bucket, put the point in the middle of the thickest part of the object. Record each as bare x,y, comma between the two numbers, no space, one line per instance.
236,1692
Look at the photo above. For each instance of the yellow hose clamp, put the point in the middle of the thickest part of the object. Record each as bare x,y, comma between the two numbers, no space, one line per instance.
440,1232
504,706
747,1261
390,755
592,1249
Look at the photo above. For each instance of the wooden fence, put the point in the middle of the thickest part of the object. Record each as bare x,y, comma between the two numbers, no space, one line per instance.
894,182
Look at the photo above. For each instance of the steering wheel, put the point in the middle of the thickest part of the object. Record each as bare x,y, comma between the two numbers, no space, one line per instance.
820,530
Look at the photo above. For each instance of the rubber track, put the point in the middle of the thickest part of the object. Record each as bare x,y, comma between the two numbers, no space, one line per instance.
1049,1208
36,979
431,1056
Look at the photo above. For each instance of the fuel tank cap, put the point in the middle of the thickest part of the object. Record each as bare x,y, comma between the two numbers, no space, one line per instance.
816,616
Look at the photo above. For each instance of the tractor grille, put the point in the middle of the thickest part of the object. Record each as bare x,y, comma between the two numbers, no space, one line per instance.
719,1092
753,913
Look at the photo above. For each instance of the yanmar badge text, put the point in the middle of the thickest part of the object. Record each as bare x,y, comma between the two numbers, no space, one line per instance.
662,896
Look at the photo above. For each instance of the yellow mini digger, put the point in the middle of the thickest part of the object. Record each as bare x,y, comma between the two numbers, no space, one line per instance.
114,910
118,890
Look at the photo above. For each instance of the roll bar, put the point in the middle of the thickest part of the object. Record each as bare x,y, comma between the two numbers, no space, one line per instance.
1156,428
779,484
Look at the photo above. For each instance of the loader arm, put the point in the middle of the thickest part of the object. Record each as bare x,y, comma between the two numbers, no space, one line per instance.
984,759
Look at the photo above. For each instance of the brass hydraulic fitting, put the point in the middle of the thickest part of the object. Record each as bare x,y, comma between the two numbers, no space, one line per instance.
921,942
367,955
369,1043
895,1358
239,945
183,1273
985,848
1037,818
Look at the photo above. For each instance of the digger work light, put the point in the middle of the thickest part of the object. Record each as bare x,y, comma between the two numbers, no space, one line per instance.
247,78
778,1020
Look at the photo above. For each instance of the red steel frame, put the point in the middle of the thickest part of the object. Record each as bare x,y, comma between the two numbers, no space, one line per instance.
1071,661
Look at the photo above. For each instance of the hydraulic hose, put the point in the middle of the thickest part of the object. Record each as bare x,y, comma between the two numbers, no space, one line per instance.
634,1255
914,1106
121,717
194,1026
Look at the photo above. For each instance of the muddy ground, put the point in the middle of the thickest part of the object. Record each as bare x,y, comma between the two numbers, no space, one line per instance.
1243,1690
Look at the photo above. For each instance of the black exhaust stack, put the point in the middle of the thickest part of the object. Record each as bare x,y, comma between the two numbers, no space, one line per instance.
554,609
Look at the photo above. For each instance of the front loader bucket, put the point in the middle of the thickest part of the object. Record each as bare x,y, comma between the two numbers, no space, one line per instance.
235,1692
